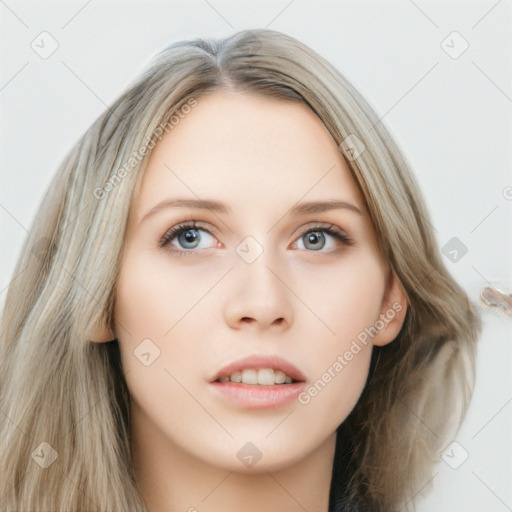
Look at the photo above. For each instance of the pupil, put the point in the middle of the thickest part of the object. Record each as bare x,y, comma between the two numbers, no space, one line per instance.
190,236
314,238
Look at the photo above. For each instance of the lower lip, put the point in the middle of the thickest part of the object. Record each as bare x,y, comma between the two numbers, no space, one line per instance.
259,397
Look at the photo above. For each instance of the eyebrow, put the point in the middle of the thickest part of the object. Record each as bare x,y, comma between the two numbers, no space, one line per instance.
218,207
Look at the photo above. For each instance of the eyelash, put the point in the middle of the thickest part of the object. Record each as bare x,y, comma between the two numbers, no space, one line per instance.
172,233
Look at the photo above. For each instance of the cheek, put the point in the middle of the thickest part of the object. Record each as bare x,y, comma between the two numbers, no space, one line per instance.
158,337
161,310
153,295
345,297
142,300
335,389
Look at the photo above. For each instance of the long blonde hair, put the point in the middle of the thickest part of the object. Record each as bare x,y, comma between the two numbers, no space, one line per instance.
65,397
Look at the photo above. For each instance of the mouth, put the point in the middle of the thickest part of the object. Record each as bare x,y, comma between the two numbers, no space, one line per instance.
258,377
259,382
260,370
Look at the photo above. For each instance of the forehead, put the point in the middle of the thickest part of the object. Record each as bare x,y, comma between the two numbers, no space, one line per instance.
249,151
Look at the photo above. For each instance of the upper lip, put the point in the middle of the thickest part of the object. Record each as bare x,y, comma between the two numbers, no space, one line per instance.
262,361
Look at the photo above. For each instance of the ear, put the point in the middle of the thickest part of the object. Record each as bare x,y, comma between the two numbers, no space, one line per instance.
393,309
102,334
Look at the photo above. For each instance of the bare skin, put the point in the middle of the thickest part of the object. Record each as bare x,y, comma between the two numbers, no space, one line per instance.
305,298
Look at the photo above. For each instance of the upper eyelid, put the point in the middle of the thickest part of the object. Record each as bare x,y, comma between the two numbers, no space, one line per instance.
301,231
206,225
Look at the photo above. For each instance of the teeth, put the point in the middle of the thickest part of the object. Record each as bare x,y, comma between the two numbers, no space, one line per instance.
279,377
236,377
262,377
250,376
266,377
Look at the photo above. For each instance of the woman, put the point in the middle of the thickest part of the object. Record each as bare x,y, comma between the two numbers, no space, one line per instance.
231,297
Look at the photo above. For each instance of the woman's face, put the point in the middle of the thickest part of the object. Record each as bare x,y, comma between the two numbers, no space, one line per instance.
271,268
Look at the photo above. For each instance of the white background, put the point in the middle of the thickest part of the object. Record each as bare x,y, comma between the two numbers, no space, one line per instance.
451,116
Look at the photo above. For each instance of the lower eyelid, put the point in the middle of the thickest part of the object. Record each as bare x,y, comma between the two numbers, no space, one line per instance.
170,236
340,238
172,233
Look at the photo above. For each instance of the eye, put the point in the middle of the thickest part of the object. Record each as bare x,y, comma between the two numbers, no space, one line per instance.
183,238
317,238
186,236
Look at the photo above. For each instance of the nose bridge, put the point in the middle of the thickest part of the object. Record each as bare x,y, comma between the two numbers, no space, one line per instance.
259,295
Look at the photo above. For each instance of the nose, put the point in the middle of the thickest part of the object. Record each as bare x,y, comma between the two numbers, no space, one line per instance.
258,297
